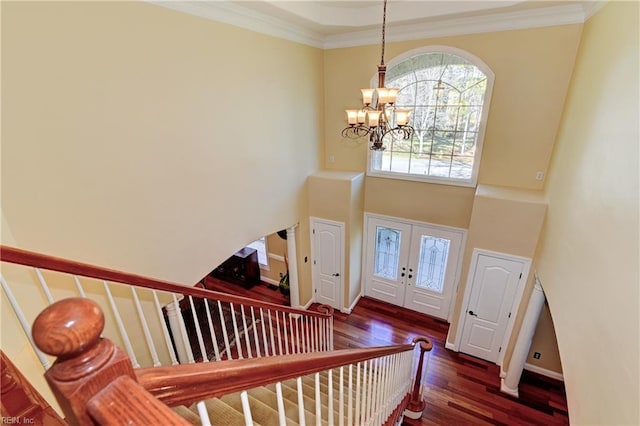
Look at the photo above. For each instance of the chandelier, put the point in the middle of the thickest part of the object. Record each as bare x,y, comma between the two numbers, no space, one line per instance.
379,116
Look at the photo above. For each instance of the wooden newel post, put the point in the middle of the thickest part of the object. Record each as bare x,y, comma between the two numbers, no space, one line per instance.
416,402
70,330
92,379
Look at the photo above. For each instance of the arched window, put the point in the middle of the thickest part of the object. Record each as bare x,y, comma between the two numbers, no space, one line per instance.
448,92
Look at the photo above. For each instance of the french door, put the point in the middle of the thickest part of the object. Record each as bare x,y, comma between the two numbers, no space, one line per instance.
411,264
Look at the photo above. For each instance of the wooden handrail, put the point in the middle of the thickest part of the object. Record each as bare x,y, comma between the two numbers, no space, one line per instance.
28,258
185,384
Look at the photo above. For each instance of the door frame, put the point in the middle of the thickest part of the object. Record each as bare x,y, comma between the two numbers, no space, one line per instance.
458,267
515,306
312,221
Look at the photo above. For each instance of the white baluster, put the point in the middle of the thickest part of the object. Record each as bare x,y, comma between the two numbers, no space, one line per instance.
303,328
371,373
236,333
225,336
123,331
43,284
279,336
254,326
246,408
330,398
282,420
26,327
204,413
350,397
341,399
79,286
331,333
265,342
212,330
179,339
292,337
273,344
358,394
246,332
145,329
301,418
165,331
363,405
196,325
285,334
318,399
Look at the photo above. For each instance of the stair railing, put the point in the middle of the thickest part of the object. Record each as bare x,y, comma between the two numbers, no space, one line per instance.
92,376
159,322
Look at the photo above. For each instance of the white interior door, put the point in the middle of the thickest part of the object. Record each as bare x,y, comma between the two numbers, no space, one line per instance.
327,262
494,285
432,270
386,263
412,265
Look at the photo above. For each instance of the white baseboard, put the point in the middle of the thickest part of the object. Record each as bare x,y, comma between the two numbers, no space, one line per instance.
451,346
544,372
503,373
306,306
353,305
269,280
505,389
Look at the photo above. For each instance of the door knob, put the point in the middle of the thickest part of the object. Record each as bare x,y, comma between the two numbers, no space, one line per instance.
471,313
335,275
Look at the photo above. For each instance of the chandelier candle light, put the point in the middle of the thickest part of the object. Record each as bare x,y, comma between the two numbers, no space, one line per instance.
379,116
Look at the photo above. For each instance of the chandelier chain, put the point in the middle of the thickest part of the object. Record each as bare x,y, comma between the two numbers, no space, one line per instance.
384,21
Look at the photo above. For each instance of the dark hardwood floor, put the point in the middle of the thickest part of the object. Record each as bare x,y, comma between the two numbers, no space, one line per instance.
461,389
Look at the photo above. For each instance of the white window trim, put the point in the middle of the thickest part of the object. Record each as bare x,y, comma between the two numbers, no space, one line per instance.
473,181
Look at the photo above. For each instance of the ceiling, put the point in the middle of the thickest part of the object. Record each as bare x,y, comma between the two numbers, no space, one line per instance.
342,23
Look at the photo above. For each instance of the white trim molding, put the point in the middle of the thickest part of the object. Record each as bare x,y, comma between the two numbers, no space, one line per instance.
544,372
299,31
353,305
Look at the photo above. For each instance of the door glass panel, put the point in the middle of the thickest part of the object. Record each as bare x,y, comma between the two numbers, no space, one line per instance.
432,263
387,254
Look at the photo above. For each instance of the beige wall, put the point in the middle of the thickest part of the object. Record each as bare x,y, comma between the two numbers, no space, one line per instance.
150,141
339,196
545,342
532,69
589,256
506,221
143,139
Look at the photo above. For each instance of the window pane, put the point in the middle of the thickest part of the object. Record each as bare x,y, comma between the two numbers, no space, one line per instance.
387,254
432,263
261,246
445,93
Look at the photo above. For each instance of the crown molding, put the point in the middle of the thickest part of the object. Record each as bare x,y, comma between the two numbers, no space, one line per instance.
542,17
233,14
593,7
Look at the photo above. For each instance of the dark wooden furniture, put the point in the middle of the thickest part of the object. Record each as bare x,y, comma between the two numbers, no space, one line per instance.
241,268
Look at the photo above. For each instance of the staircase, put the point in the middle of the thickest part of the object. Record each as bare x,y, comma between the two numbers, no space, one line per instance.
213,358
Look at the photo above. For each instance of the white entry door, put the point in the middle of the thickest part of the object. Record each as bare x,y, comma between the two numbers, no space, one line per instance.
412,265
327,255
493,289
430,285
387,255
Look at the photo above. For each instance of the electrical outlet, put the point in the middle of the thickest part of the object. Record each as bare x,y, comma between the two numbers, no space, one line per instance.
332,159
536,355
539,175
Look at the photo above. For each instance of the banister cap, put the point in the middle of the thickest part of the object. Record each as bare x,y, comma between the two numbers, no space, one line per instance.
68,327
